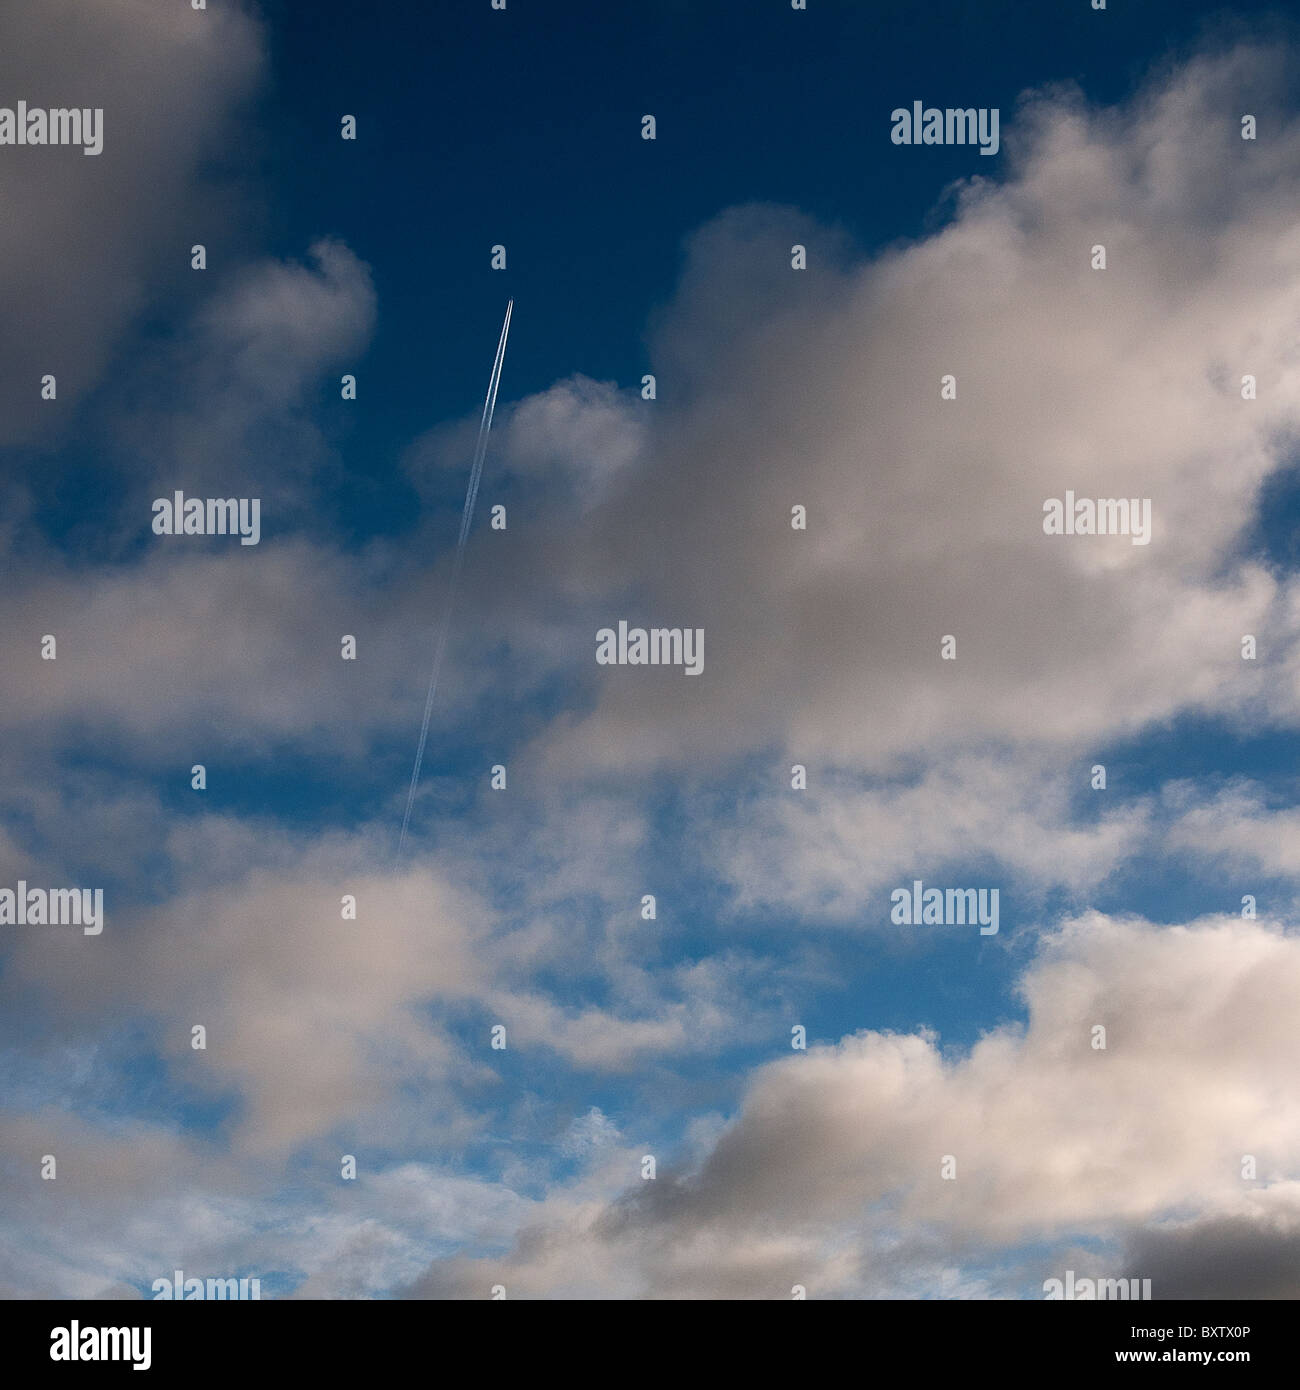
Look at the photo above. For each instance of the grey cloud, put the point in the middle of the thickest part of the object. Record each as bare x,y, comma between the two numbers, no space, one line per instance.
98,238
1230,1257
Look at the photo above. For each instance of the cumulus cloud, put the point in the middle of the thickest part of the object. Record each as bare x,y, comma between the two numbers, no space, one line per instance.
836,850
1234,825
311,1018
96,240
925,516
574,441
832,1170
241,382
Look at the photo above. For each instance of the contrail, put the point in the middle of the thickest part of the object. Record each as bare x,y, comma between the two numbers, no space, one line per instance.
466,517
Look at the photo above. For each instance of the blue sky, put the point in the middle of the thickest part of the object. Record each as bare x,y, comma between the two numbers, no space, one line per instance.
775,387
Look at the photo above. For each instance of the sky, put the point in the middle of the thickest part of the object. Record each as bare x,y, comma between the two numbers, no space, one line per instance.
648,1021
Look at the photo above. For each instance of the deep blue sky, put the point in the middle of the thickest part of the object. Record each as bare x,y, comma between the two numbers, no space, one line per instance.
477,127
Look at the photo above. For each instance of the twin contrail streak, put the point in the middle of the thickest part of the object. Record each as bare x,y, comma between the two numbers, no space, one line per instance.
467,516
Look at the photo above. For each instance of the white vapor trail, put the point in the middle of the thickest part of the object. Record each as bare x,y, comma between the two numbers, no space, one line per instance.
467,516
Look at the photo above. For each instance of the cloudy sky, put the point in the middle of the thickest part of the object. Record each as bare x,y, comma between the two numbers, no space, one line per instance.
1106,1084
